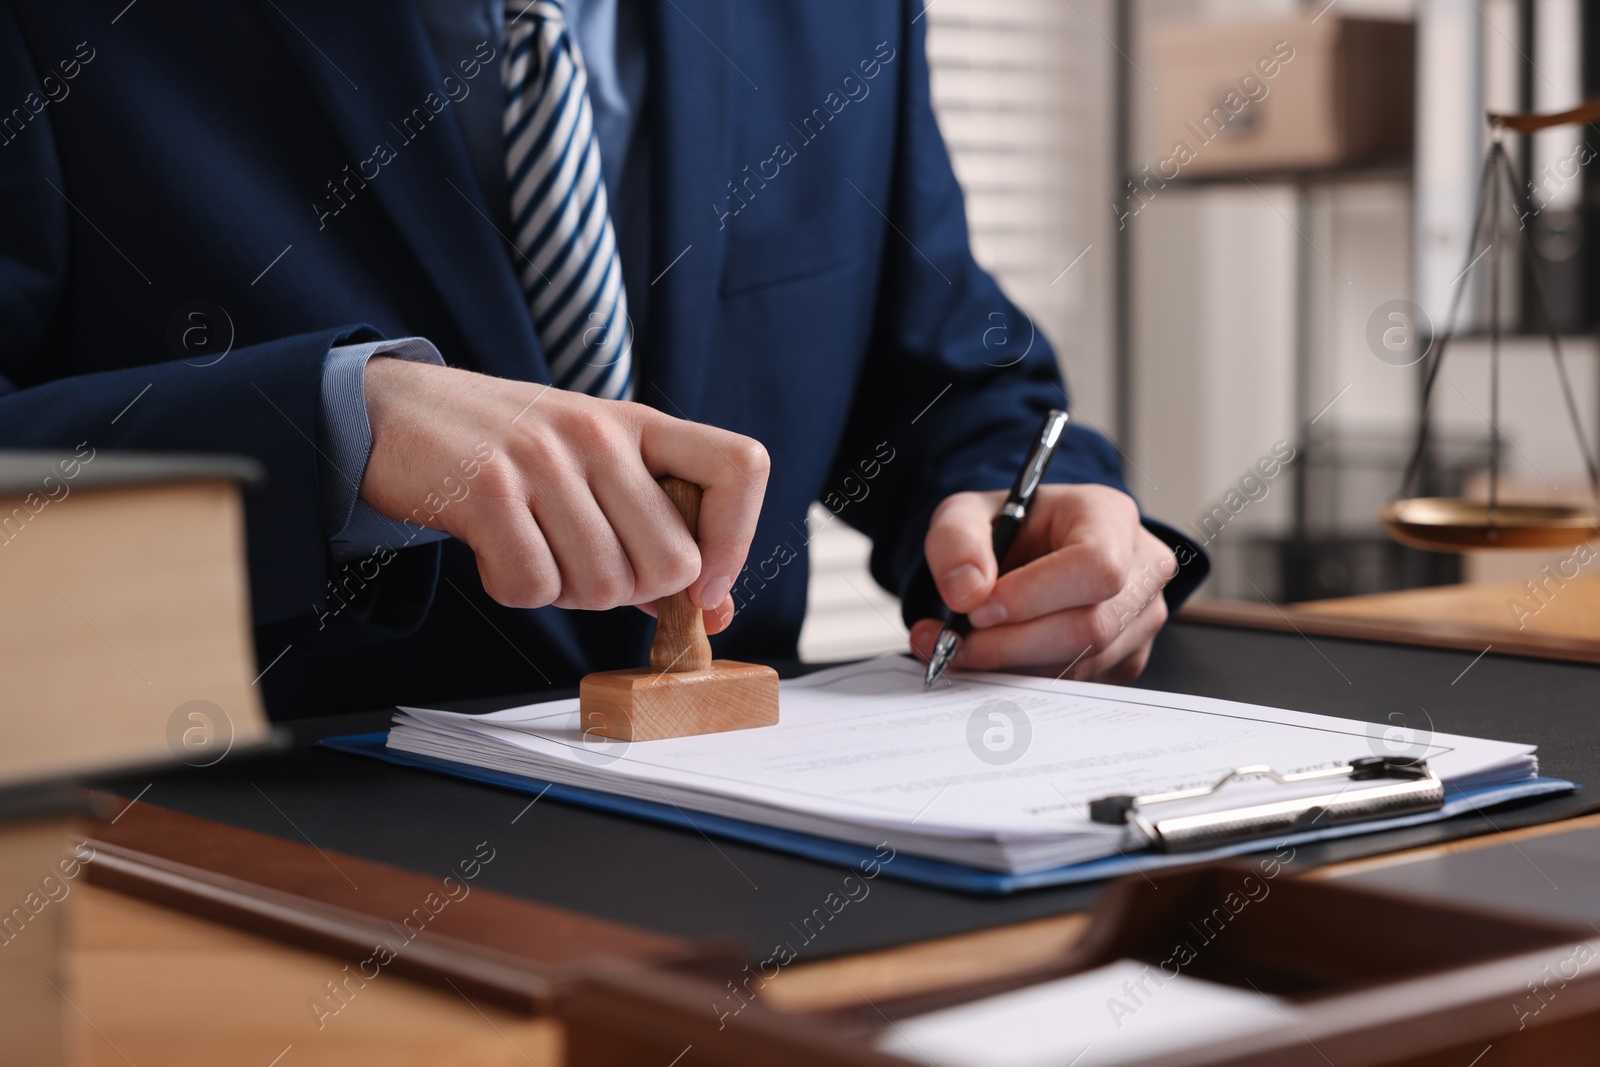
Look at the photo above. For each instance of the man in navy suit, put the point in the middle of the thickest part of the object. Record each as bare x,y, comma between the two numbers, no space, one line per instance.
467,275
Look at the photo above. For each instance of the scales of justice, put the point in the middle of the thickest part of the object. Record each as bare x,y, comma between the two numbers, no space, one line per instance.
1447,524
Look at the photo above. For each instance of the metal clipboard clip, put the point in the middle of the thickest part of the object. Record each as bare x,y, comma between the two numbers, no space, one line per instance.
1404,786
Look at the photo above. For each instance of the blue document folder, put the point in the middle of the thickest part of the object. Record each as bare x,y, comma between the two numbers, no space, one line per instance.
915,868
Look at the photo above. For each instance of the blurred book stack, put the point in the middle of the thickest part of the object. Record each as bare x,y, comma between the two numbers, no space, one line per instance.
124,643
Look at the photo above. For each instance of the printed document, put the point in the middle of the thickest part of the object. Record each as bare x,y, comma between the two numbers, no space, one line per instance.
994,771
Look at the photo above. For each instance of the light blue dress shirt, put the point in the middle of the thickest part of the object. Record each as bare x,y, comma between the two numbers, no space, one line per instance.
610,36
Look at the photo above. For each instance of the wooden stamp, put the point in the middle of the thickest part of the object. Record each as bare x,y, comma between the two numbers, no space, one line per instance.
683,691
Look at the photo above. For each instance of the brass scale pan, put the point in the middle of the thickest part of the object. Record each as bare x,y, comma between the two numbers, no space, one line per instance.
1446,524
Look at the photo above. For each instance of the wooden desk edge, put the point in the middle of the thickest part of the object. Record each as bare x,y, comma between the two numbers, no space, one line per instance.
930,967
505,948
1461,637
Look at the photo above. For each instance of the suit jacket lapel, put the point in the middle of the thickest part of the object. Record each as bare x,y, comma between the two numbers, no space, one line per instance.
690,111
373,66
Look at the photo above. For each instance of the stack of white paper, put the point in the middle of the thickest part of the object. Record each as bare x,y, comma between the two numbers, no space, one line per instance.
992,771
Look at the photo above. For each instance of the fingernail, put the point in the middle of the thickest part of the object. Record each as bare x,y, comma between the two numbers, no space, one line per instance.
714,592
961,582
989,613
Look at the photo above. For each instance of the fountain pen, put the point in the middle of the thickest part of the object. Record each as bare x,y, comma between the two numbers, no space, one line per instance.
1006,524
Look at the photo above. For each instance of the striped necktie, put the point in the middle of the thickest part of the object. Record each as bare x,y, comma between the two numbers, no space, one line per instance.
569,268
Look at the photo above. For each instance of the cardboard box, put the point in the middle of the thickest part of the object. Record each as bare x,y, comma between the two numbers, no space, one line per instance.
1280,94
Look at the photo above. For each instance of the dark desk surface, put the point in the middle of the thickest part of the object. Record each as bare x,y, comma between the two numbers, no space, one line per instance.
1554,878
682,883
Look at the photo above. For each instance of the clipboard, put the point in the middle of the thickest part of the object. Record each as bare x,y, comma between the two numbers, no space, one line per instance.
931,872
1401,786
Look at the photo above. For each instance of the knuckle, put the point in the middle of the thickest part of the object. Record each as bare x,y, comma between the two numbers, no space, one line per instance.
1166,566
1105,573
673,574
949,535
539,448
1110,496
496,482
541,590
750,457
1100,626
681,569
1116,497
1133,666
632,412
1113,503
609,588
533,587
591,430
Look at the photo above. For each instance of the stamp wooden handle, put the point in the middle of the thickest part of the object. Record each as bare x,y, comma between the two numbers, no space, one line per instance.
680,643
684,691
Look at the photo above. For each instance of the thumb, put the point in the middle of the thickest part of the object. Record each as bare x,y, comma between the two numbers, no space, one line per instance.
718,618
960,550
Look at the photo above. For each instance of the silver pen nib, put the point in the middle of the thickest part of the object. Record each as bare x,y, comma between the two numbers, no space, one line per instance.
944,650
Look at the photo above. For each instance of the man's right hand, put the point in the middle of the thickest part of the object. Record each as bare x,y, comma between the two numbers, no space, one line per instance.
567,512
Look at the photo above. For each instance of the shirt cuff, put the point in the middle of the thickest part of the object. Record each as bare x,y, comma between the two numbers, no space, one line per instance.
358,530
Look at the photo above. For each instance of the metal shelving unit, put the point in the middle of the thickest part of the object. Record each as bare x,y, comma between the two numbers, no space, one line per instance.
1302,556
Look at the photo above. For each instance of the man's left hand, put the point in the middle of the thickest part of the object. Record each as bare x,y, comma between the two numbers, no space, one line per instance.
1084,586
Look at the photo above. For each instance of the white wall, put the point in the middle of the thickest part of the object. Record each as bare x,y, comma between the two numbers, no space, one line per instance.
1213,346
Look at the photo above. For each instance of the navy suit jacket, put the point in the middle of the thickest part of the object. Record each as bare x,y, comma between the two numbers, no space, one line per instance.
815,291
